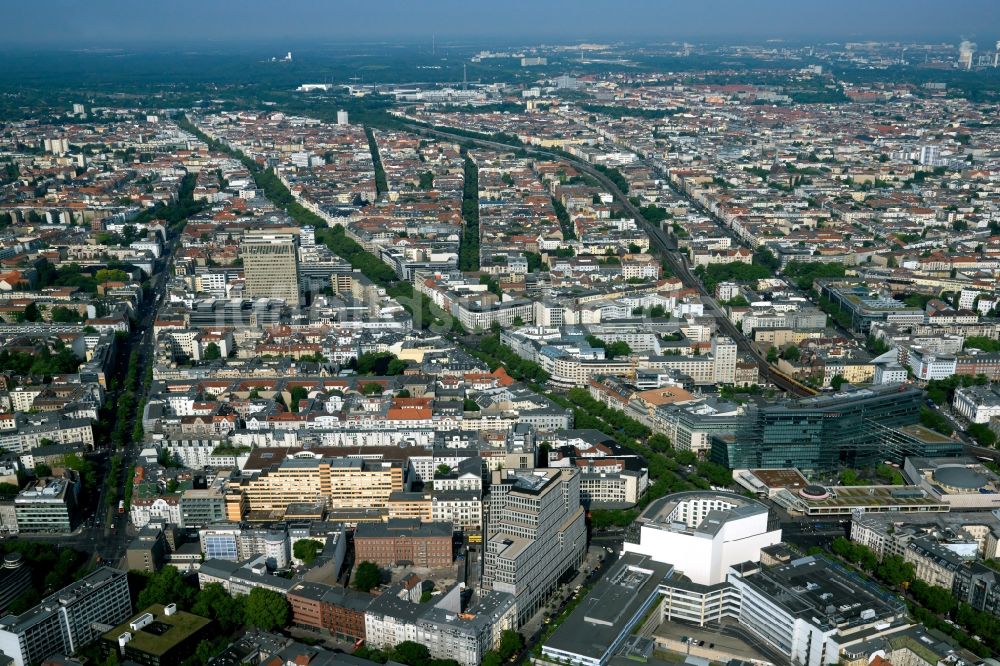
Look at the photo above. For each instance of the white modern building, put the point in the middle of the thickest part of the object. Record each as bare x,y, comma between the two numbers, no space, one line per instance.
927,365
703,533
67,620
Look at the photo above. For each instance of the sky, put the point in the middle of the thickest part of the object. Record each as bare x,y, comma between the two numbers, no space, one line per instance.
74,23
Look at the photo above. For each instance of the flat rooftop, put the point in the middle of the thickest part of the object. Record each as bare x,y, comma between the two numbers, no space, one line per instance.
816,588
163,634
604,614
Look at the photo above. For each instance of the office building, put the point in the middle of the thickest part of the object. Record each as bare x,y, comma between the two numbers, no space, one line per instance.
239,578
148,550
979,404
68,619
15,579
47,505
866,305
234,542
535,533
596,628
824,432
158,636
271,266
203,506
810,608
703,533
404,540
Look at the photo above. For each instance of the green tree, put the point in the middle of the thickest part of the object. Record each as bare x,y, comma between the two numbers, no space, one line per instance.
64,315
371,388
837,382
895,571
982,433
411,653
367,576
265,609
791,354
617,349
491,658
41,469
298,393
307,550
110,275
511,643
772,355
166,586
212,352
214,602
31,313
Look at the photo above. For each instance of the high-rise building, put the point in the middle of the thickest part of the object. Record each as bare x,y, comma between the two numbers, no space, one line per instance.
341,117
536,533
820,433
724,354
930,155
271,265
67,620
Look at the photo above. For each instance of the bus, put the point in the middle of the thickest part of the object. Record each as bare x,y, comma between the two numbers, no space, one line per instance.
121,506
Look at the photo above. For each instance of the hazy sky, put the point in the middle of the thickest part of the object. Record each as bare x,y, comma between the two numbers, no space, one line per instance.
73,23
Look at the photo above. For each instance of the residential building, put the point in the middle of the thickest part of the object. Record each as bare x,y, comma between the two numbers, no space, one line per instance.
447,629
338,610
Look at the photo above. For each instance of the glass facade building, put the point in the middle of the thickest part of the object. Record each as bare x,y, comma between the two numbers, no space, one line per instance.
821,433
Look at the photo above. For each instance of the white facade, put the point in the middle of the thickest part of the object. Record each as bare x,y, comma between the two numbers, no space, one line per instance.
977,403
927,366
702,534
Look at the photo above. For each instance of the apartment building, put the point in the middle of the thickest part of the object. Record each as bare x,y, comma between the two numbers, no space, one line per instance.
338,483
535,533
341,611
65,621
448,630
